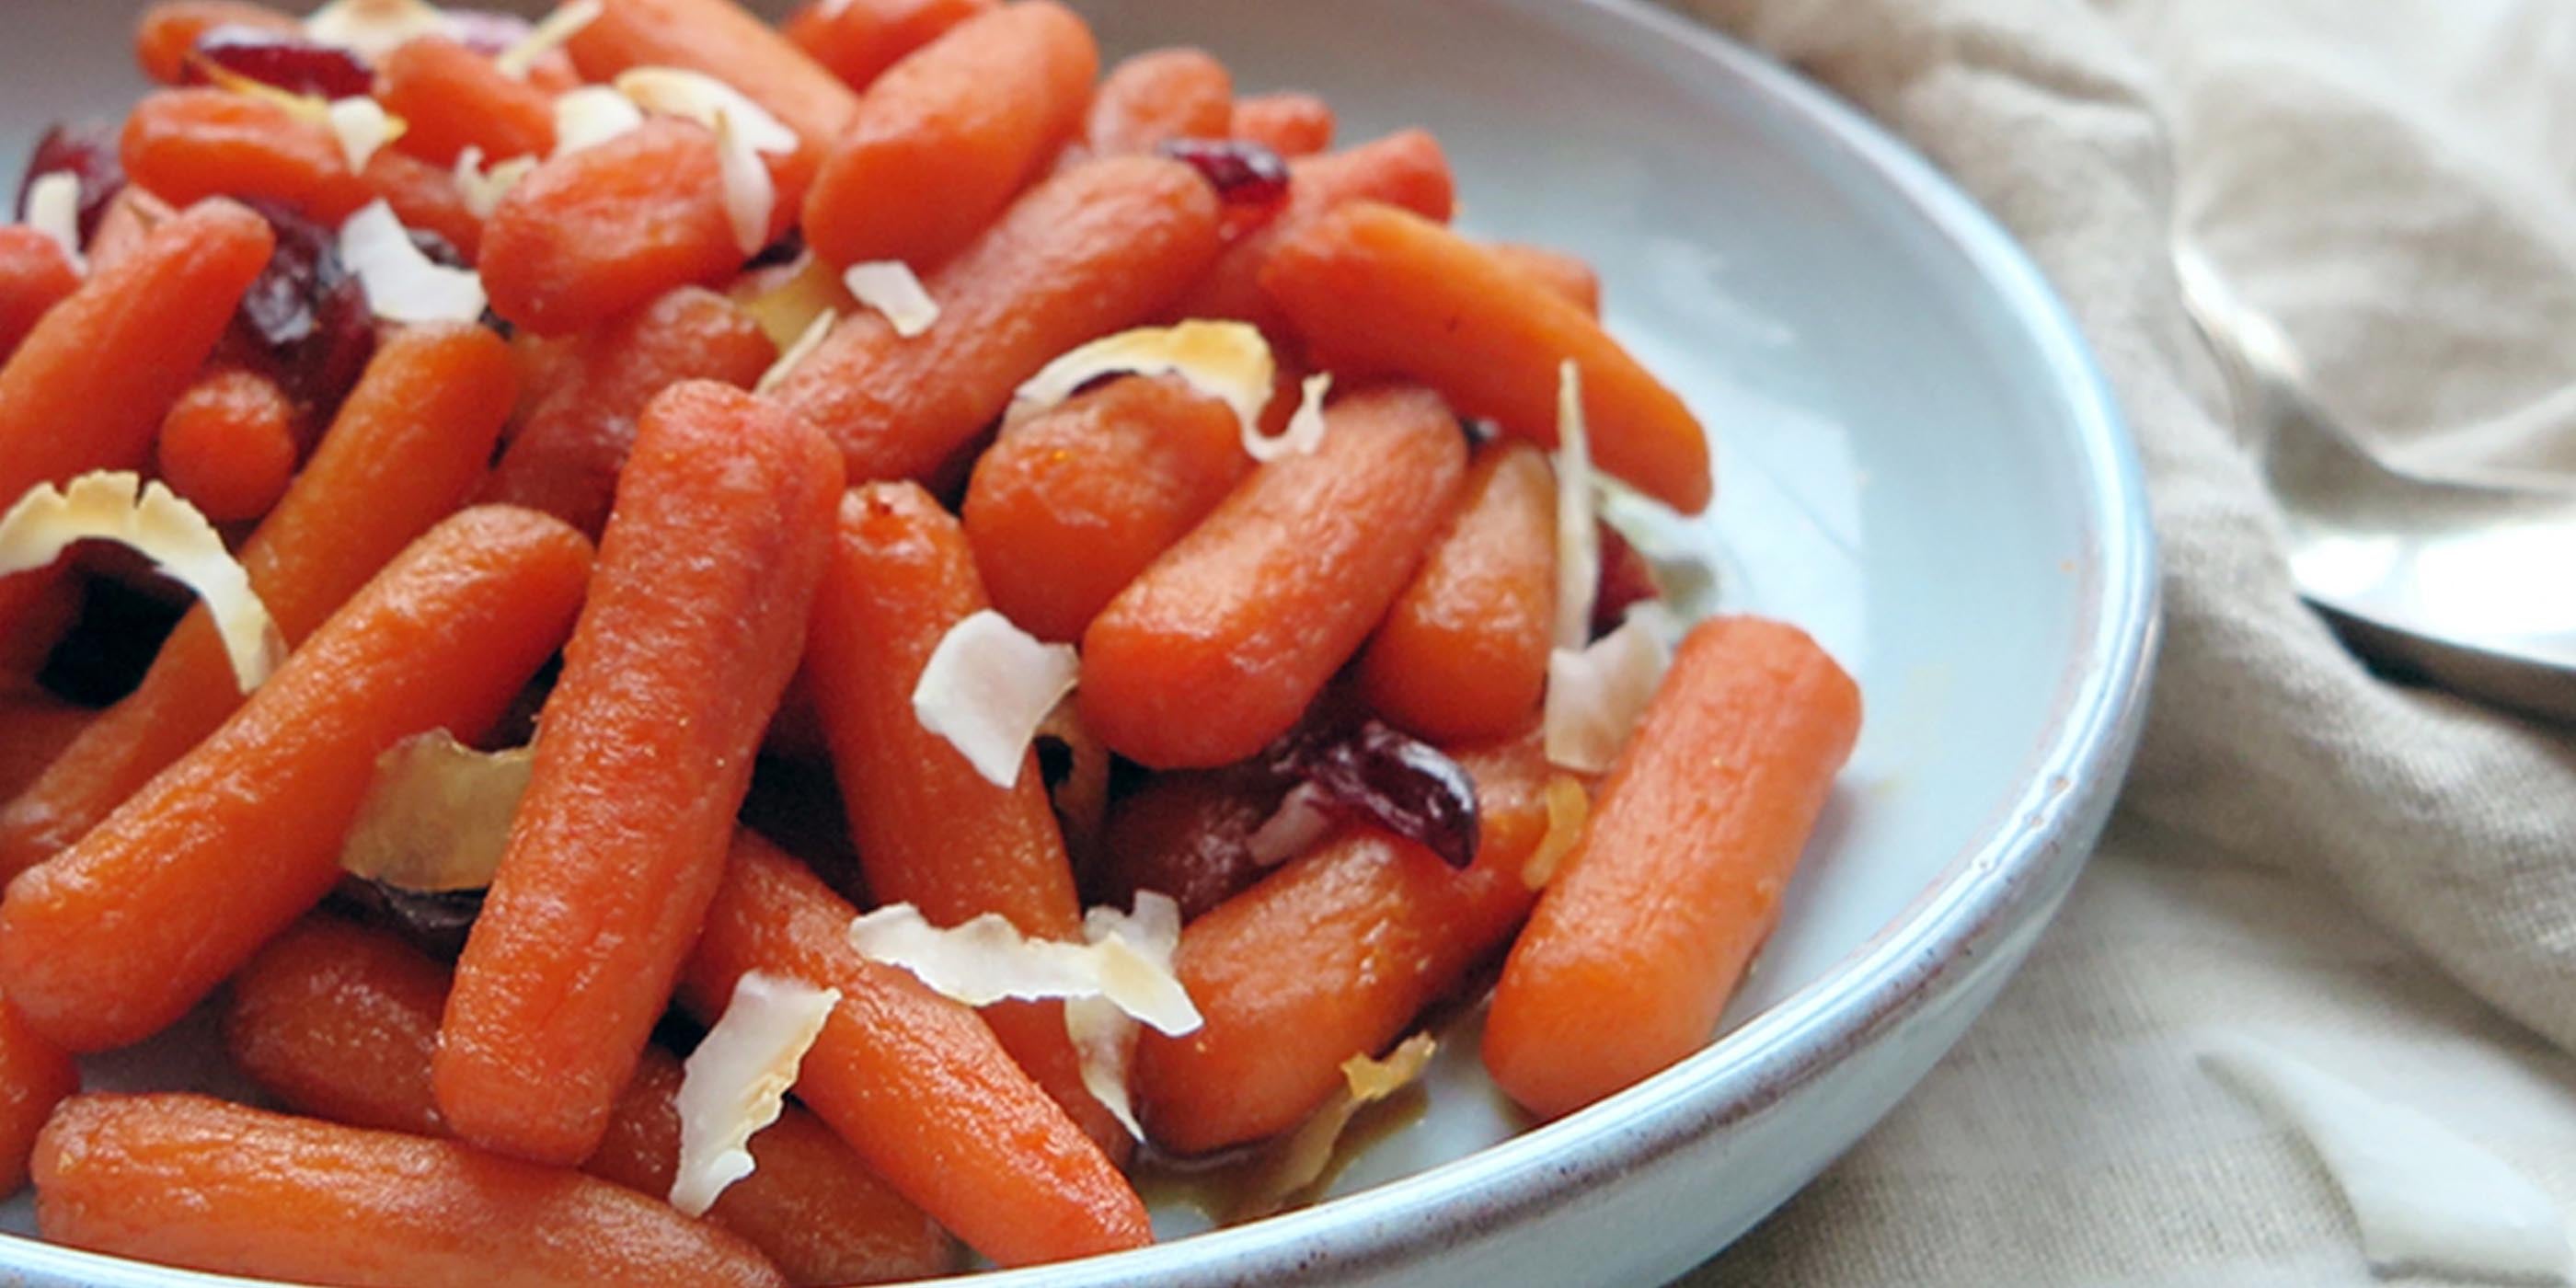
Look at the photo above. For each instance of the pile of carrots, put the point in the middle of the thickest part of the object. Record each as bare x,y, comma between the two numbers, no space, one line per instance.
579,508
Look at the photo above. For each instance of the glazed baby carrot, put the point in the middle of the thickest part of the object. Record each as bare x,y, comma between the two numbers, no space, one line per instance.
572,442
340,1022
1463,654
409,443
695,620
1218,647
1292,125
188,1181
128,222
35,1076
35,275
933,128
1560,272
35,726
723,40
1095,250
591,234
930,829
1187,835
187,144
1333,956
112,939
426,197
1638,942
857,40
228,444
1068,507
1374,288
913,1081
1406,169
168,32
451,98
1158,96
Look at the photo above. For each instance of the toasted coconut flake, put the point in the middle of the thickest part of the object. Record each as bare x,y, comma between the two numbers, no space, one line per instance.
549,35
1595,694
987,688
817,331
374,28
404,285
1228,361
592,115
1293,1165
1578,540
1299,824
1104,1037
1305,430
363,128
889,287
118,506
987,959
1569,807
750,194
483,188
53,208
736,1082
438,814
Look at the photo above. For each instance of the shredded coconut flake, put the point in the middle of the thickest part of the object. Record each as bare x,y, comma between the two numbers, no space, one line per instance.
987,960
404,285
1299,1160
374,28
1569,807
118,506
1578,536
1305,431
889,287
547,36
1298,825
1228,361
592,115
987,688
1104,1037
363,128
744,133
735,1083
817,331
1595,694
53,208
481,188
750,194
438,814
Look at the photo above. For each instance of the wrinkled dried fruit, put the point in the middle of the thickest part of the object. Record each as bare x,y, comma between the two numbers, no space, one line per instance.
1372,772
434,923
1244,173
86,150
1627,580
285,62
305,317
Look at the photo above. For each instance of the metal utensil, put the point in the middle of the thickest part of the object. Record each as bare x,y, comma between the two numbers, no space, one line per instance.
2472,587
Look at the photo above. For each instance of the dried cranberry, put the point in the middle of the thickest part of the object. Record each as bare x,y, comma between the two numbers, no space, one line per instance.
436,923
486,32
305,316
1627,579
1244,173
1396,781
285,62
88,152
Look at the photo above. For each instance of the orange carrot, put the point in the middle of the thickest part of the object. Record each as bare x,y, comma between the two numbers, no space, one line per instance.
913,1081
1067,508
228,444
1333,956
723,40
426,198
696,616
1089,252
1463,654
1187,835
1648,927
574,440
124,228
187,144
1292,125
451,98
1375,288
341,1022
35,276
1218,647
930,829
110,940
934,127
594,233
168,33
35,1076
409,443
1406,169
35,726
858,40
188,1181
1559,272
1157,96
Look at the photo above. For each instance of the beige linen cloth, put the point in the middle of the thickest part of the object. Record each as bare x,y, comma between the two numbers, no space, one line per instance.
2379,881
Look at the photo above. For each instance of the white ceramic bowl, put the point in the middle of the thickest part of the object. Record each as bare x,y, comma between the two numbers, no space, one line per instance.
1917,461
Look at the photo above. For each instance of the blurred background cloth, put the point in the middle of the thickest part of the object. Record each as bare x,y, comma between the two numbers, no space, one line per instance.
2377,880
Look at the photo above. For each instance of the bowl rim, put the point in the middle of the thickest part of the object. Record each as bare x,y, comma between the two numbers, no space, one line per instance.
1996,888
